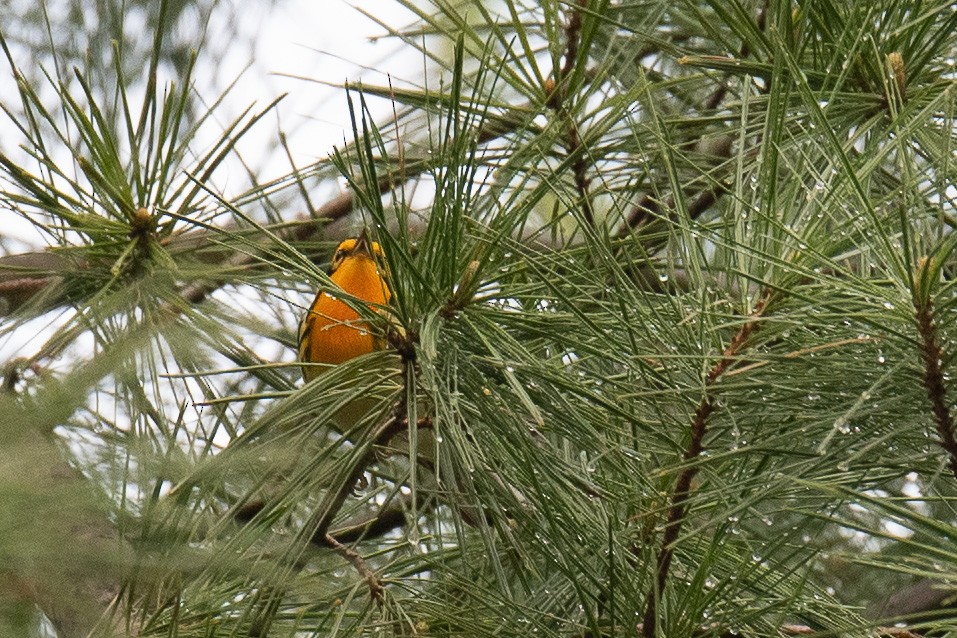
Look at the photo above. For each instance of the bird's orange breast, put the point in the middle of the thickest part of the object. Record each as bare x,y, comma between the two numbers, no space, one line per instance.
334,332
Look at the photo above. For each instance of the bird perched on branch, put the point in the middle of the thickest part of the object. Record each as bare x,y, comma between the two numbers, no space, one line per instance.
333,332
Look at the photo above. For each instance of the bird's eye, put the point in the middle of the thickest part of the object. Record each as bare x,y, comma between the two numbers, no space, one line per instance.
340,254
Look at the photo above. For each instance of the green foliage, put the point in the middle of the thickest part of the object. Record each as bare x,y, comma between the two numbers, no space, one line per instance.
703,244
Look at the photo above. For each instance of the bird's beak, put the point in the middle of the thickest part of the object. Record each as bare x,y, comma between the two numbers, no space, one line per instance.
363,245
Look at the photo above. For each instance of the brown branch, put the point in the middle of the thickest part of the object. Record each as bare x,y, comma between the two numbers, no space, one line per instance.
317,529
682,492
915,602
376,590
361,527
648,208
932,356
572,38
557,98
798,630
573,140
17,290
336,497
24,276
386,520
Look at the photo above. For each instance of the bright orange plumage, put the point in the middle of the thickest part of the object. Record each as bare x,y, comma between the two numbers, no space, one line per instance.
332,332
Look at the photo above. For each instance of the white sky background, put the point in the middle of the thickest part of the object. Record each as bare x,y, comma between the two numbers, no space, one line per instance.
324,40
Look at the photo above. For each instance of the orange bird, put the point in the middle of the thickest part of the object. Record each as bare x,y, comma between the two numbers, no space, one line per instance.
332,332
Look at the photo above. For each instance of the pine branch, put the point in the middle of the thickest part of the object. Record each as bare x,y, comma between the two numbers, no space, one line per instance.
682,492
916,601
25,276
932,356
558,99
376,590
320,522
800,630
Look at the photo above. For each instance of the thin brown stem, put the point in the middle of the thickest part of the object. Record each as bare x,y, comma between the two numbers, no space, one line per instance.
932,356
678,509
648,209
558,99
376,590
800,630
337,496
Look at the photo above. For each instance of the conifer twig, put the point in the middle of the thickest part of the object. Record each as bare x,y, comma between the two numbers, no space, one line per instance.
557,98
682,492
322,519
376,590
801,630
648,207
932,356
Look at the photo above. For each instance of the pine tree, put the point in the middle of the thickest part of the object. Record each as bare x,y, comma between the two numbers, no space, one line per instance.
668,352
